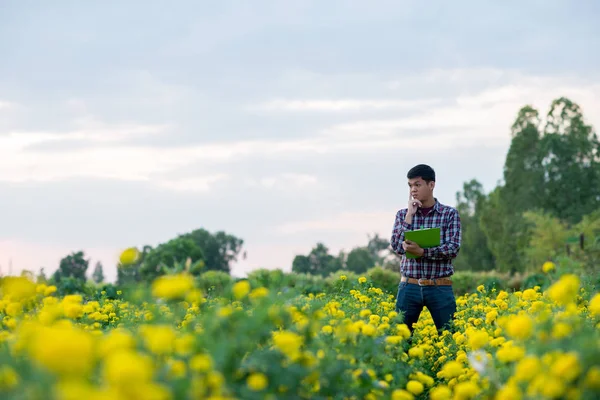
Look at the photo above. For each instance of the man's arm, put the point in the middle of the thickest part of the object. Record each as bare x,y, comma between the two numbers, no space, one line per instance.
451,243
400,226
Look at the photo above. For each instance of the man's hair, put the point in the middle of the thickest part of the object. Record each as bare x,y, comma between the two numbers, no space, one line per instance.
423,171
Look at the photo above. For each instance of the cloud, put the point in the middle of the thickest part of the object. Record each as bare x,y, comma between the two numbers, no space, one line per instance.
346,222
469,119
200,184
5,105
284,181
331,105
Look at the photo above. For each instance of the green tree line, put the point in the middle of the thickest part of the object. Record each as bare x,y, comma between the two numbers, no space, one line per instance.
548,203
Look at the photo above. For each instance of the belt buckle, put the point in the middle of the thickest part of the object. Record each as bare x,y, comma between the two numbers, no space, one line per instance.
419,281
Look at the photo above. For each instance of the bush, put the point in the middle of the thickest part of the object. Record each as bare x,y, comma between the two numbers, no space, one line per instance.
214,282
384,279
304,283
271,279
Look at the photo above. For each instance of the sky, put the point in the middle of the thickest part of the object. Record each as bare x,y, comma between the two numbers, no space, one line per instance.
282,123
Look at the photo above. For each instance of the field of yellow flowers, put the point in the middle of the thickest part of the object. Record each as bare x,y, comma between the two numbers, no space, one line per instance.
171,341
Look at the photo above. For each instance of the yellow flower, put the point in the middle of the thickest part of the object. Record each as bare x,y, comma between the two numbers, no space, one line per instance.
343,277
403,330
259,292
520,326
368,330
478,339
172,287
566,367
466,390
440,393
415,387
527,368
548,266
129,256
565,290
592,378
49,290
116,339
241,289
416,352
400,394
289,343
17,288
362,279
177,368
451,369
509,391
257,382
510,353
8,378
530,294
63,349
393,339
594,305
159,339
126,368
201,363
327,329
561,330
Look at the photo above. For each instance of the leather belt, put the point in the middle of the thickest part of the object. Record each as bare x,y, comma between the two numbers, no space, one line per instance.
428,282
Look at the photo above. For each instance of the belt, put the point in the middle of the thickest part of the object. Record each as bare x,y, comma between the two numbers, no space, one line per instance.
428,282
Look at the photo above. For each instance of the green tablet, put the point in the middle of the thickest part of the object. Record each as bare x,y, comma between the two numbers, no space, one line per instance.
426,238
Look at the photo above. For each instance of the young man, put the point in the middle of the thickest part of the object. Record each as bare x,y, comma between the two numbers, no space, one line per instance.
425,280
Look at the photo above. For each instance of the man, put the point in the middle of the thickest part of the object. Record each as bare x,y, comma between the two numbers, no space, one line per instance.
425,280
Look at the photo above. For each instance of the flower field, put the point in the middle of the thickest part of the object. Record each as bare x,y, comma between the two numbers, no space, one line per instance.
172,341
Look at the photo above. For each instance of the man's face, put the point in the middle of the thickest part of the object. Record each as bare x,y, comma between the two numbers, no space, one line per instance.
419,189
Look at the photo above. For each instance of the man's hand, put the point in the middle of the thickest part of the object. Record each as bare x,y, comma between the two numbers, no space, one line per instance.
413,205
413,248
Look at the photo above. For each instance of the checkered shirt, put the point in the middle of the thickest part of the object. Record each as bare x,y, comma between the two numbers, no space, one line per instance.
436,262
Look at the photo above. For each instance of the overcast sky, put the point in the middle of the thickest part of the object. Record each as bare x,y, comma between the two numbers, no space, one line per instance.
283,123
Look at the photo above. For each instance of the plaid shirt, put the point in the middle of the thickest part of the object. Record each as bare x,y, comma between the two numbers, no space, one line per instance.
436,262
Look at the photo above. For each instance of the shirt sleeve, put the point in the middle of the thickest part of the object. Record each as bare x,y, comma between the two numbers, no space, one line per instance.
451,242
400,226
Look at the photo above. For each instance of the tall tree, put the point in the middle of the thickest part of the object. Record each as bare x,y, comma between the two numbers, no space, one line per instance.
379,248
360,259
72,266
317,262
98,274
501,214
571,158
220,249
167,255
475,253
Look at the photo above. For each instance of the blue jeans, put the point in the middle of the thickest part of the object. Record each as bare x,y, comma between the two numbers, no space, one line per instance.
439,300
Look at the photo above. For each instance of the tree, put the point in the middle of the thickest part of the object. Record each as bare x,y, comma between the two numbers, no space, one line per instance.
360,259
98,274
72,266
301,265
501,213
41,278
219,249
547,237
570,154
376,246
475,253
167,255
318,262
